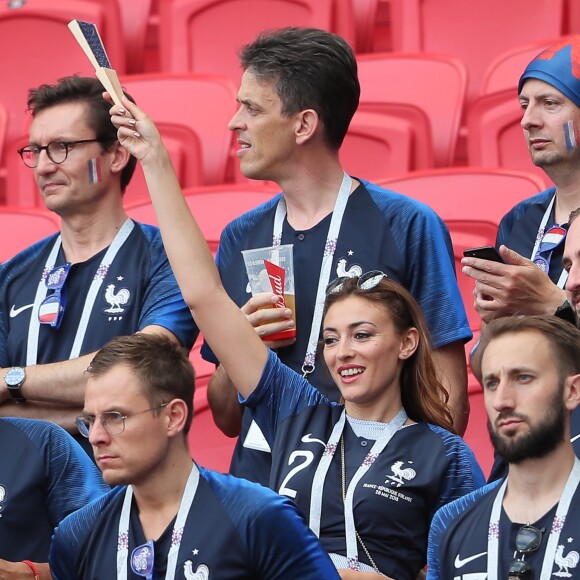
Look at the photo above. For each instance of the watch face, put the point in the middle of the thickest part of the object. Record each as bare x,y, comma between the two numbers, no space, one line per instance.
14,376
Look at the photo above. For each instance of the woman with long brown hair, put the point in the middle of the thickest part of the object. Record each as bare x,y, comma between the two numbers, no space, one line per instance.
368,473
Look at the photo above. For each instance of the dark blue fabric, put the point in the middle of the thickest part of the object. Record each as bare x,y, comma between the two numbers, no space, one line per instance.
239,530
459,532
44,476
391,515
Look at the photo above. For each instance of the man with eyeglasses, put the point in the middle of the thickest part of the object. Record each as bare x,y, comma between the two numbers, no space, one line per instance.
524,526
531,236
102,276
167,517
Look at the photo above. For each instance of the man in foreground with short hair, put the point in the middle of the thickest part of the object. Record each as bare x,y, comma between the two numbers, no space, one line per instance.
525,525
169,518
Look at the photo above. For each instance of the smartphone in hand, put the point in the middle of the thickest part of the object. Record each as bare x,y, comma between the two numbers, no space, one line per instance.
484,253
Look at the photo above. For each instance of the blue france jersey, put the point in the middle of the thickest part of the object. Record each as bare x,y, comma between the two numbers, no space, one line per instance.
519,227
238,530
381,230
459,535
137,290
422,468
44,476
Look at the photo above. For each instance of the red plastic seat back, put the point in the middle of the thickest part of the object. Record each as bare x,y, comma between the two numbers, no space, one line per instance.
435,84
205,35
23,227
472,193
475,32
213,207
504,72
496,137
377,145
203,103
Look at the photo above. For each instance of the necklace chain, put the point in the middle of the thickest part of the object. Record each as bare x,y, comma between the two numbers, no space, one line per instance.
343,477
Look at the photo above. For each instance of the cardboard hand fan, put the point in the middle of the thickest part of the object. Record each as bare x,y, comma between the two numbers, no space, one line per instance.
90,41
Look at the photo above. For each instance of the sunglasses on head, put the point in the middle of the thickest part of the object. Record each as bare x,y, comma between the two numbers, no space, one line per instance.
366,281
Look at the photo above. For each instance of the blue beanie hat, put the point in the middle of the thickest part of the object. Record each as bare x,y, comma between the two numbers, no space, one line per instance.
559,66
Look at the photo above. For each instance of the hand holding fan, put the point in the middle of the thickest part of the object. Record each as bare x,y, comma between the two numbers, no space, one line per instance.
88,37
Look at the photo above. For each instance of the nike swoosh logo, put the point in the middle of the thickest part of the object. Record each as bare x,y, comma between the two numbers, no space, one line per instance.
309,439
16,311
459,563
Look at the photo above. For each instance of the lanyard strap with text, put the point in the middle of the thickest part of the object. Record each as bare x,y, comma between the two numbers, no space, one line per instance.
553,538
184,507
322,470
325,270
540,235
41,291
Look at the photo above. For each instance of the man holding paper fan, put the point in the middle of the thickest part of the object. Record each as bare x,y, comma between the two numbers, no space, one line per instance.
103,276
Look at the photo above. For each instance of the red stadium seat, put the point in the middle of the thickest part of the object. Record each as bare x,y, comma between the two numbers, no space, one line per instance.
377,145
573,17
365,16
422,153
3,127
471,193
135,19
213,207
21,189
204,36
203,369
186,156
343,21
495,135
207,444
433,83
504,72
23,227
203,103
476,435
473,31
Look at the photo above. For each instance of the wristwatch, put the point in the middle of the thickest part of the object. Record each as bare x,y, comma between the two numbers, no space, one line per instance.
14,379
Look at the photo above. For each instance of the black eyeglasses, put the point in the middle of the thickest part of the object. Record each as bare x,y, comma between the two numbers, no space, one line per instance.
528,540
366,281
143,560
113,422
51,309
57,151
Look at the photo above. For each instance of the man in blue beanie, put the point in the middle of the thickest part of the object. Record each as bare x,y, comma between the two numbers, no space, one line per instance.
531,236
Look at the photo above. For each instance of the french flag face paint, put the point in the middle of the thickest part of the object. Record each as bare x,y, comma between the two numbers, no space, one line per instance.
572,135
94,166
